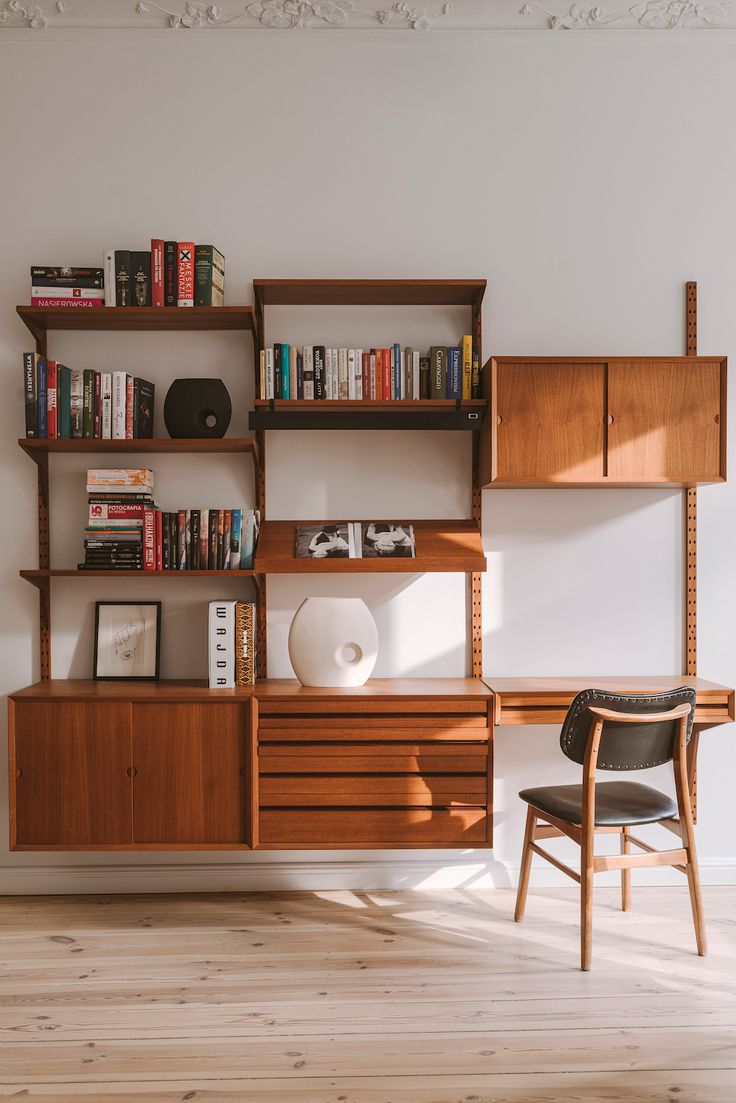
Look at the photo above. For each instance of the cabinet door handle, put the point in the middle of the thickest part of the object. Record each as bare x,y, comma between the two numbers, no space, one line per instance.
499,419
18,772
609,419
131,771
242,771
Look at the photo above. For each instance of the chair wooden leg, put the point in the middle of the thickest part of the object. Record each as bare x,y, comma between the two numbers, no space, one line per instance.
682,788
586,913
526,865
625,873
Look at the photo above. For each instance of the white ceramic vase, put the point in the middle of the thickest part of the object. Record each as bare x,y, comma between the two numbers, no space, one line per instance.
333,641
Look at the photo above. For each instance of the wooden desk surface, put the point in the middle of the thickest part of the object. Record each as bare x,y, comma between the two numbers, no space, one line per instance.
546,700
289,689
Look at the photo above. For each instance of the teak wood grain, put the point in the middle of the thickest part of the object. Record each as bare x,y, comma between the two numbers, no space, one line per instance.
440,546
69,780
388,758
370,828
574,421
190,769
338,791
325,292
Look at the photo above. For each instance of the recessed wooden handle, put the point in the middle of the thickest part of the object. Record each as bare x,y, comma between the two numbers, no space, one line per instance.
609,419
717,419
18,772
499,419
242,771
131,771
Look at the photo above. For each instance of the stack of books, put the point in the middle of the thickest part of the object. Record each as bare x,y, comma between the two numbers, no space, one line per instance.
64,286
126,530
232,644
121,510
342,374
170,273
66,403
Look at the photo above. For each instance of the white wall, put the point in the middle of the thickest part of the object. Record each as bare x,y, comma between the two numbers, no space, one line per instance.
586,177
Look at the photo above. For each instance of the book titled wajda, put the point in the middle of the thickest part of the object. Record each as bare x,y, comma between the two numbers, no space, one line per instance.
356,540
231,644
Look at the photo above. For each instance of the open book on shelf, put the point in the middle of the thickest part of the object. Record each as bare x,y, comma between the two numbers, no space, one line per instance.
356,540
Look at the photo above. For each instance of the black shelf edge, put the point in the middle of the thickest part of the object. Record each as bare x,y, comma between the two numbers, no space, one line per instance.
466,420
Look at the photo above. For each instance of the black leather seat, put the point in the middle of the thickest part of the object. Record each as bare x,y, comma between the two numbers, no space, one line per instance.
617,803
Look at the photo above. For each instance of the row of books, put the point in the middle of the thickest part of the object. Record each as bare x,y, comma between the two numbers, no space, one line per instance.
126,530
232,644
319,372
82,404
170,273
356,540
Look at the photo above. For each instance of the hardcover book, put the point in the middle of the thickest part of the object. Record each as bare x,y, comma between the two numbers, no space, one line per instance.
185,274
51,399
171,273
221,644
438,372
77,404
140,274
63,401
143,412
88,404
123,290
209,276
30,394
245,644
157,272
109,276
106,387
46,275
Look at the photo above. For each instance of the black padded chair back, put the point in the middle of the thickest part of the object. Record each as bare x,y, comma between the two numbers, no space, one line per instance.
626,746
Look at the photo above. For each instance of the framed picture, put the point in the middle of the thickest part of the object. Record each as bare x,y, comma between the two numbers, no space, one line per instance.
127,640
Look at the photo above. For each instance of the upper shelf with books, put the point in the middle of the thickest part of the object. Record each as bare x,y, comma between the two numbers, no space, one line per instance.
41,319
368,414
368,293
36,448
440,546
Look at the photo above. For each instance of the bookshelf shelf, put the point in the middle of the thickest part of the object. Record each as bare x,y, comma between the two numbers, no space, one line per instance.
368,414
151,319
40,577
441,547
368,293
36,448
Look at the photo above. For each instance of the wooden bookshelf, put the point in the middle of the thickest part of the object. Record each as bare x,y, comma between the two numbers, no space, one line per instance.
149,319
368,293
140,444
368,414
38,577
441,546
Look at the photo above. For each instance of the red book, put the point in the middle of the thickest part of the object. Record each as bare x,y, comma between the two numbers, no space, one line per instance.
366,373
116,511
149,539
378,374
157,272
129,407
386,379
51,400
185,273
37,300
159,540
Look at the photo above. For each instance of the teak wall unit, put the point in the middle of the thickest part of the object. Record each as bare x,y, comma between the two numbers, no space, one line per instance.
398,762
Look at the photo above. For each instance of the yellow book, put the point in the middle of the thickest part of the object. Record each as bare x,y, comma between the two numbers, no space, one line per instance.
466,360
263,374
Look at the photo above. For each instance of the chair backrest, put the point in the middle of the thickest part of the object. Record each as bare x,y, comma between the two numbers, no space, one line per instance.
626,746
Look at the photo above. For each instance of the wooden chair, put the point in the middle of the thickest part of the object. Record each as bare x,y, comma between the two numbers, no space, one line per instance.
612,731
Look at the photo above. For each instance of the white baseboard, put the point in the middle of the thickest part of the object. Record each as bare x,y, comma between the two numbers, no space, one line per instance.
417,874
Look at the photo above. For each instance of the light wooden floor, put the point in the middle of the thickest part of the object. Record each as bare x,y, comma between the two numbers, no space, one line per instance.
366,997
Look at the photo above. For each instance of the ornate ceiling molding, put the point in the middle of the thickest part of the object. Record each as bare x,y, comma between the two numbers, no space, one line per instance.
390,15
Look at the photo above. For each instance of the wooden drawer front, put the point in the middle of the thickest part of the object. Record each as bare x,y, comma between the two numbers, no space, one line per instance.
383,758
402,791
393,827
436,728
373,707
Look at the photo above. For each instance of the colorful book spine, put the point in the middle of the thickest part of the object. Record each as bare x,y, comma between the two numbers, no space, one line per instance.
476,387
77,404
97,407
285,372
212,539
106,388
149,539
123,289
128,407
157,272
181,551
30,394
366,371
209,276
318,352
171,273
466,355
236,530
158,539
358,369
220,539
293,373
299,374
245,644
63,402
140,274
308,370
194,523
227,523
454,373
270,389
60,292
185,274
51,399
88,404
204,539
343,385
437,372
60,301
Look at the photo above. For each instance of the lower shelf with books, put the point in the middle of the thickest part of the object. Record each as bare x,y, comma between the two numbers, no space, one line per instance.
406,414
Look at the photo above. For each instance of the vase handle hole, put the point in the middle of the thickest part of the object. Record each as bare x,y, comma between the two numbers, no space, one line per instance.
349,654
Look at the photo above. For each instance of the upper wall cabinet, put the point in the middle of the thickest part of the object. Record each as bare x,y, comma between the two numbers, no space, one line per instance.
605,422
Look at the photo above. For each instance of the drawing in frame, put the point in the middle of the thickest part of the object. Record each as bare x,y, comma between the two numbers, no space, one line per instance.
127,641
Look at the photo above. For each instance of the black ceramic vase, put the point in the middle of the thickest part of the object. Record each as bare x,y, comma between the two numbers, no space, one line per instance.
197,408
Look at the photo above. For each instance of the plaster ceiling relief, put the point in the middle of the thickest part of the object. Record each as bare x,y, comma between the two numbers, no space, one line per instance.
365,15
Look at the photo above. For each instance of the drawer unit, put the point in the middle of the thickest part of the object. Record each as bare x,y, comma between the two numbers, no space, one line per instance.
374,773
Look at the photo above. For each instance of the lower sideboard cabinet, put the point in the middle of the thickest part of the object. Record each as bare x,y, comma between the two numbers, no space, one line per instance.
374,774
87,775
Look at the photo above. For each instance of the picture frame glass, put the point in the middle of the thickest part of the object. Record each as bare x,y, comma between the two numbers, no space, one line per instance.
127,640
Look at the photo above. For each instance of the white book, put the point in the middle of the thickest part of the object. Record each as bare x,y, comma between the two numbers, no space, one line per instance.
308,369
293,379
108,273
106,396
119,392
335,375
270,389
415,375
343,390
351,373
358,374
401,368
328,374
221,644
67,293
76,403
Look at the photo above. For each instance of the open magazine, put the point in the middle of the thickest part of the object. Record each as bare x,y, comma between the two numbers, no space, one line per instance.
356,540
